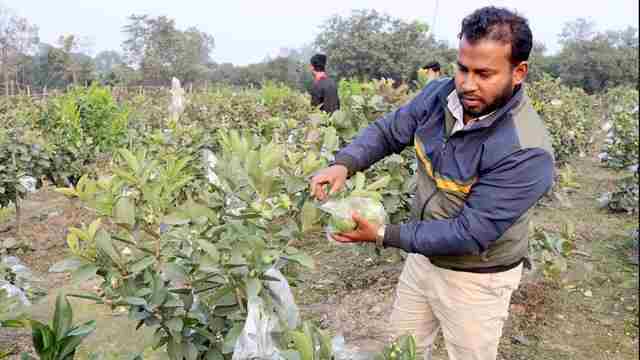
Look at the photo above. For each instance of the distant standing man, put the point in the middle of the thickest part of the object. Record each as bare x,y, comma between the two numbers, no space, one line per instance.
433,70
484,159
324,91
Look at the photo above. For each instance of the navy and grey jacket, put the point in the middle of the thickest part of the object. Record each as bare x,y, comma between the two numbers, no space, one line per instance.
474,188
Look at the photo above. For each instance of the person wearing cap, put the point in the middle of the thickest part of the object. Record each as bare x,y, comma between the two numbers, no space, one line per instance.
324,91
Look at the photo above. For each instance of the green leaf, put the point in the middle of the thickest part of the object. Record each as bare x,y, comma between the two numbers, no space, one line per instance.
124,211
131,160
86,296
302,259
174,272
358,181
132,300
159,339
104,244
175,350
84,329
231,338
93,228
190,352
224,297
214,355
254,286
62,316
176,218
124,175
141,264
43,337
326,350
210,249
15,324
84,273
143,292
309,216
197,211
380,183
303,344
158,292
69,345
175,325
69,192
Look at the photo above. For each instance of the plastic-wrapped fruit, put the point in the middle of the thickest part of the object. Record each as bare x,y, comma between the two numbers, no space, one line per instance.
341,224
341,211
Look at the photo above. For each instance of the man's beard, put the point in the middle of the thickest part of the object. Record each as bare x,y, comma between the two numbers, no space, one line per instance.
504,96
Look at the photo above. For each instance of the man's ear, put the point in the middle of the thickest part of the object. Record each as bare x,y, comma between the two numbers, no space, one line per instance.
520,72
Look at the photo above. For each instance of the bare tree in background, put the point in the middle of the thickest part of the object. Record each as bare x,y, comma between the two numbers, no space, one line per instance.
17,38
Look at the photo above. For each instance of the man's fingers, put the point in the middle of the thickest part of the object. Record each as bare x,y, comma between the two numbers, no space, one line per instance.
357,218
342,238
317,187
336,186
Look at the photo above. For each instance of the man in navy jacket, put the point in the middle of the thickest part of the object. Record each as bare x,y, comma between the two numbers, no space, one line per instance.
484,160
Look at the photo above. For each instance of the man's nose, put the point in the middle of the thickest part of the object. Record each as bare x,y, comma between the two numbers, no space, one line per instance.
469,84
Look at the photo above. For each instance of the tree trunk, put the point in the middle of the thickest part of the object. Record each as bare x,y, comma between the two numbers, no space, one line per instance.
18,217
5,71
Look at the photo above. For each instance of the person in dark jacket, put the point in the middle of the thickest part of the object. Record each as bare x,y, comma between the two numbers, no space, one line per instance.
432,70
484,160
324,92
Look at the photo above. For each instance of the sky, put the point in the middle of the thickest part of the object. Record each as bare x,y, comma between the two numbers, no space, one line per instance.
247,31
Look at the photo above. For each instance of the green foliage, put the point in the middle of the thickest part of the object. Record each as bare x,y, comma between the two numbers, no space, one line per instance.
625,197
370,45
552,249
594,60
60,339
403,348
623,140
81,124
22,153
160,50
308,343
187,258
569,114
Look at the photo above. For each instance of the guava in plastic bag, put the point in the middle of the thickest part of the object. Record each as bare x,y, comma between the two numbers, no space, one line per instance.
341,211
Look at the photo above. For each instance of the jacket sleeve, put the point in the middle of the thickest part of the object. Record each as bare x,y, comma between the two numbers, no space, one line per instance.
389,134
499,198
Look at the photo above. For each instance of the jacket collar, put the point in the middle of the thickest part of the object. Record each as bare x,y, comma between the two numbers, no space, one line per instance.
513,103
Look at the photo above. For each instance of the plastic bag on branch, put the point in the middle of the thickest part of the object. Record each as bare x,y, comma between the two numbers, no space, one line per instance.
266,320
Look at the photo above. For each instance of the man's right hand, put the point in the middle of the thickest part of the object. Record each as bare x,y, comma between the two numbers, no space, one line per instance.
335,176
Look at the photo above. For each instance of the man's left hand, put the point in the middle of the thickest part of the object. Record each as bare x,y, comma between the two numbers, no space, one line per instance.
364,232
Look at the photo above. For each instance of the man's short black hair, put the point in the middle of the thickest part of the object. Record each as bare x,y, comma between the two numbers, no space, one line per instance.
319,61
499,24
434,65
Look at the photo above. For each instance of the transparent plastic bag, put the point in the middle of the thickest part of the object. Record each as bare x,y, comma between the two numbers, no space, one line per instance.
19,281
341,211
267,320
